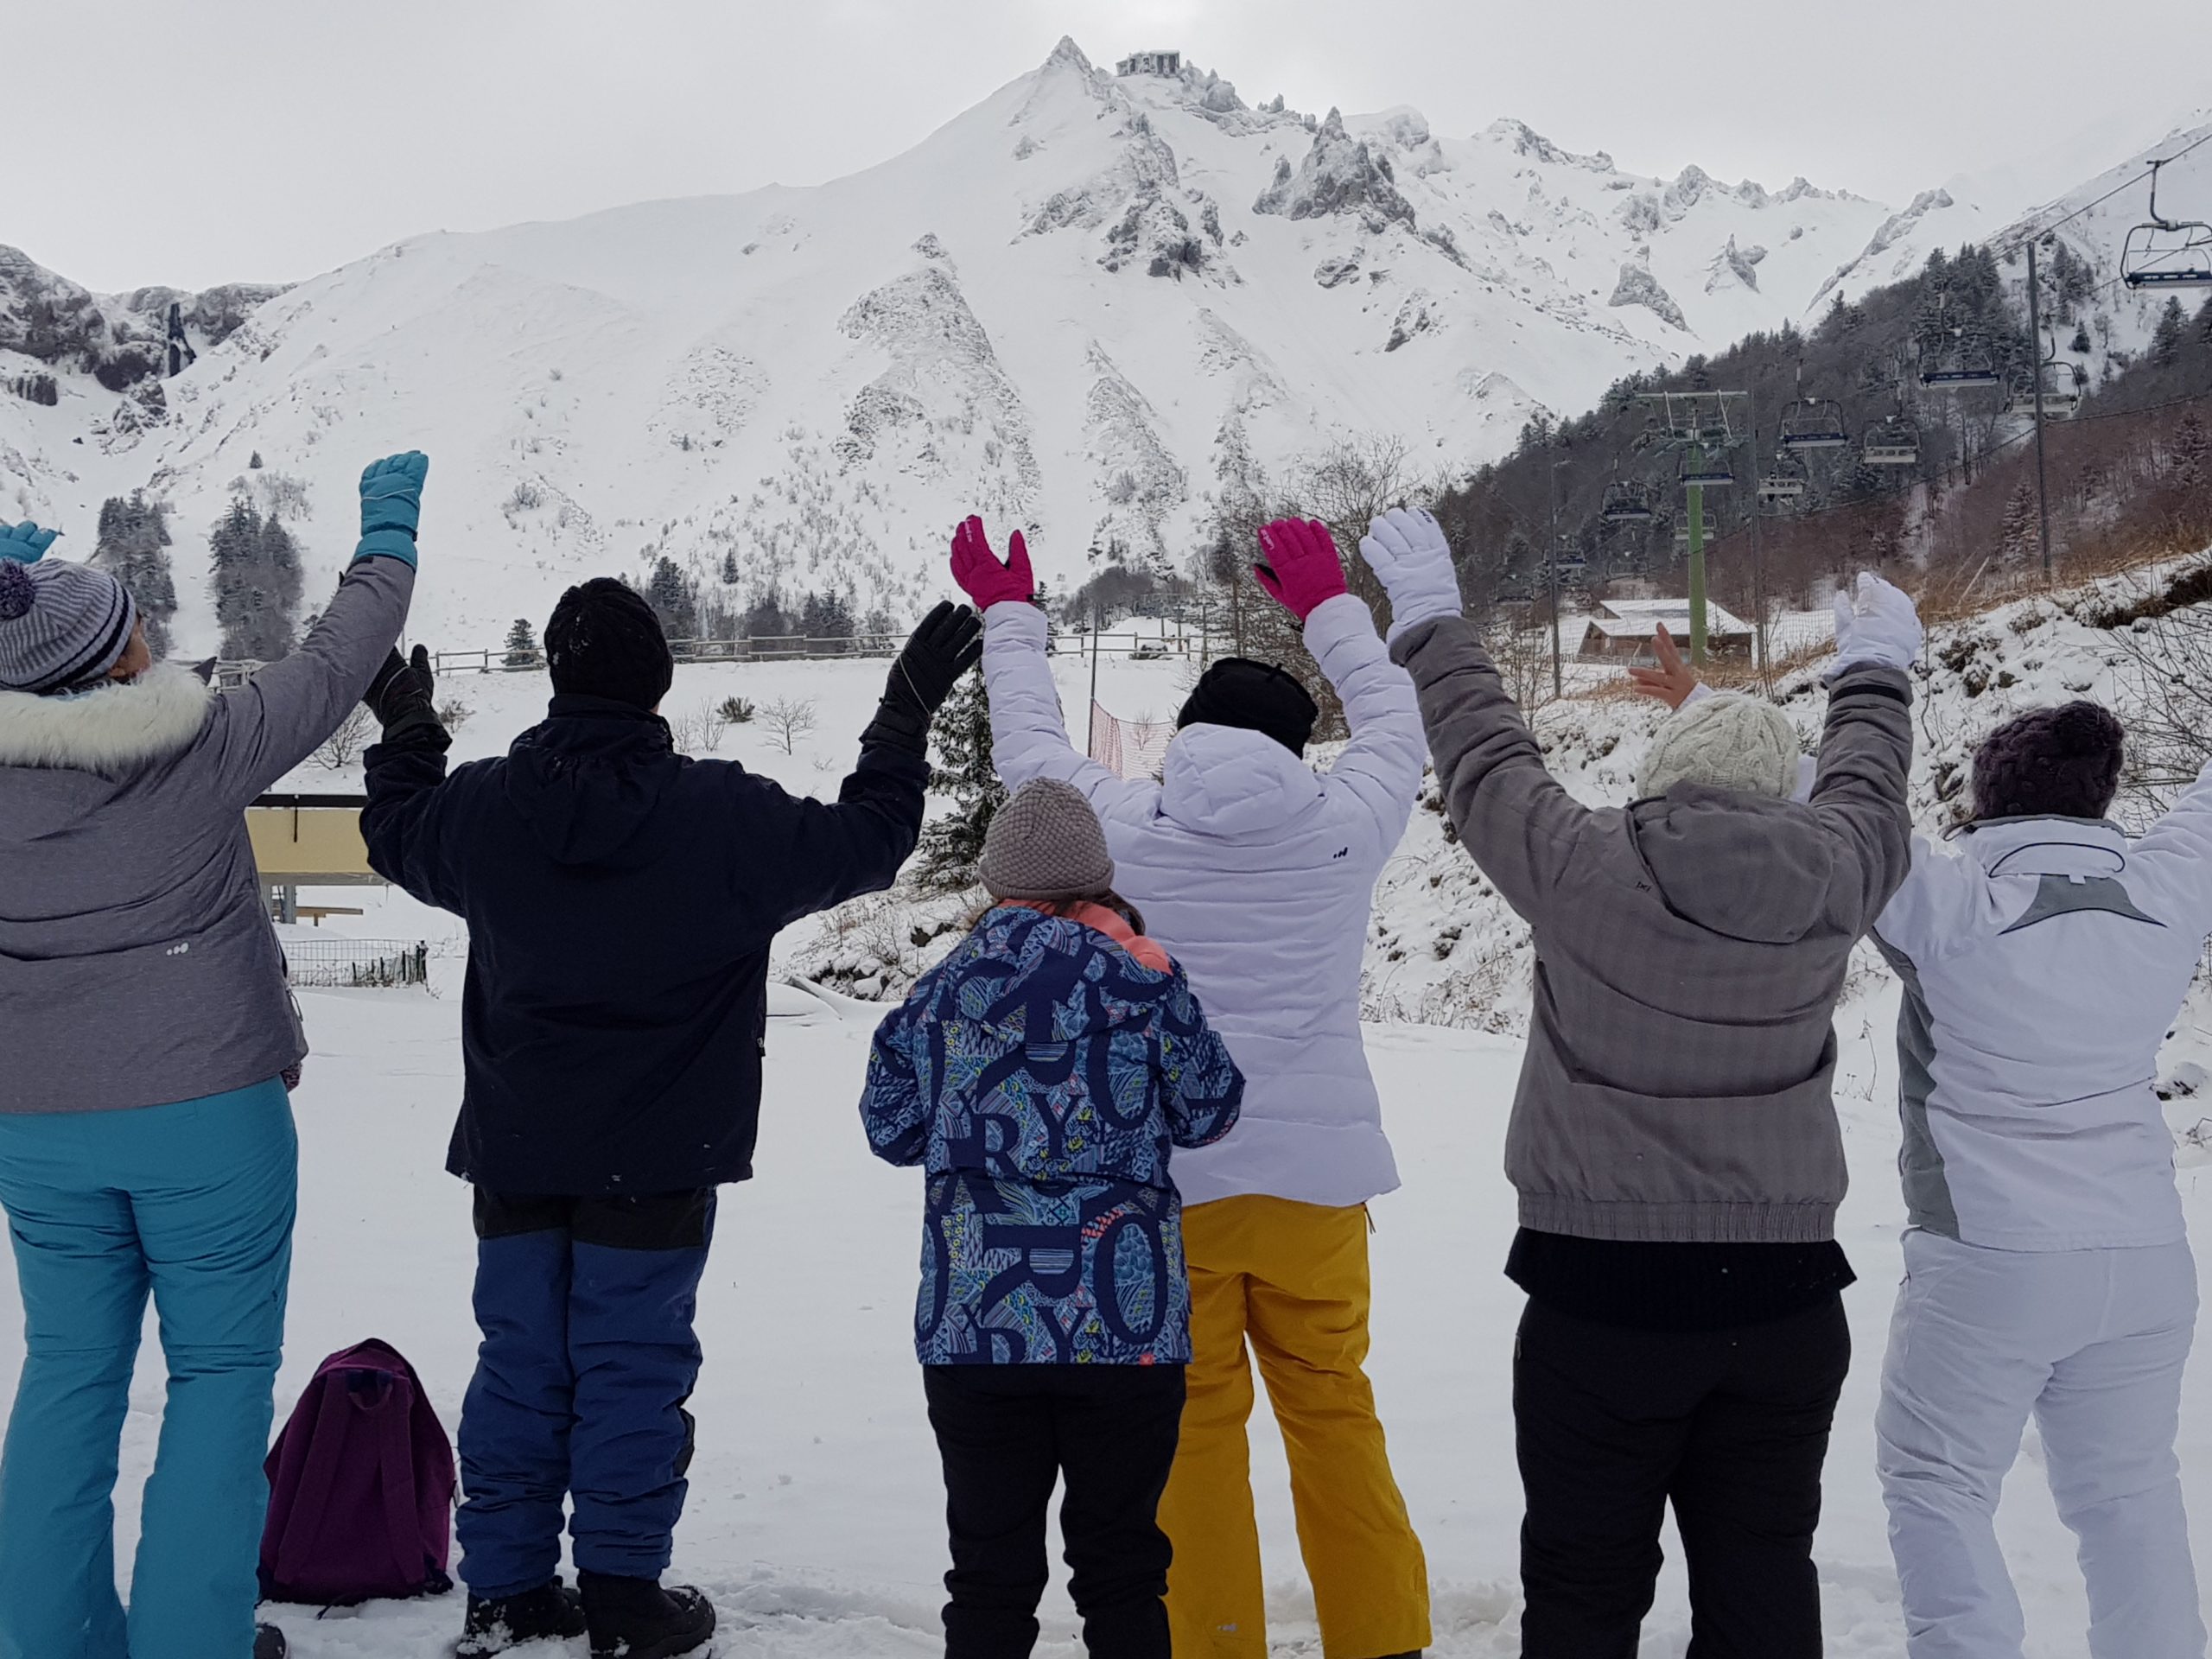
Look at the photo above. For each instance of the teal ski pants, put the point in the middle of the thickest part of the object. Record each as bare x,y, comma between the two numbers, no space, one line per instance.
192,1204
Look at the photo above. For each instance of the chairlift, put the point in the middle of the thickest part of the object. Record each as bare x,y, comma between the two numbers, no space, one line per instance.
1967,365
1626,503
2166,253
2062,391
1706,523
1896,442
1814,423
1705,472
1783,482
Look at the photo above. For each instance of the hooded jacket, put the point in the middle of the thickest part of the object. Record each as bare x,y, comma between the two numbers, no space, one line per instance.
1690,950
621,899
2043,960
1258,877
138,965
1042,1074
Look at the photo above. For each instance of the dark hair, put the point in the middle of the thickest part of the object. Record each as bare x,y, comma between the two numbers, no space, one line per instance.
2062,762
1109,898
1066,907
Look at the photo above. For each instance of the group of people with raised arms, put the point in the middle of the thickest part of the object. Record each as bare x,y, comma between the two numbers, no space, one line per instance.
1138,1093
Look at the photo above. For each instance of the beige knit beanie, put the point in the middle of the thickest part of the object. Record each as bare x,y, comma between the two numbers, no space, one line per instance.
1727,741
1046,842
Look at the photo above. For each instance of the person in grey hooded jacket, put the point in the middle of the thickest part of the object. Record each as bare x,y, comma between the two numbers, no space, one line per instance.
146,1142
1674,1141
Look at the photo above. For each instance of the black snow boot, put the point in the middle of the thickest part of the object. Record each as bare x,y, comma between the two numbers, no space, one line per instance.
269,1643
552,1611
635,1619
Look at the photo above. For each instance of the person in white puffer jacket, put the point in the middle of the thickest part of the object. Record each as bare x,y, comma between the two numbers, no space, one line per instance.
2048,1270
1259,876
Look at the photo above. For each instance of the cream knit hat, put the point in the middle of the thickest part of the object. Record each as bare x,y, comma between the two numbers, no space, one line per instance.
1726,741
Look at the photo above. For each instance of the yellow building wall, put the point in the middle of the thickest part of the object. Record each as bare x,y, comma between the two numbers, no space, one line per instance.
313,846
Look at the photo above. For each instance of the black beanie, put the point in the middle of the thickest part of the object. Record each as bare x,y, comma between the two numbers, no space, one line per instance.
1238,691
605,641
2053,763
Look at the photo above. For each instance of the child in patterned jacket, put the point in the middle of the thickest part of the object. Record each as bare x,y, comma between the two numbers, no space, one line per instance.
1041,1075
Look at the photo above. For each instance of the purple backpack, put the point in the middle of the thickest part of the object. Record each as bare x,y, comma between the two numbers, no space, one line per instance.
360,1488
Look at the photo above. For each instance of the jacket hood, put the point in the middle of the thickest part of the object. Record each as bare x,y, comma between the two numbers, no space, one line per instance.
588,778
1738,865
1049,979
74,754
1234,783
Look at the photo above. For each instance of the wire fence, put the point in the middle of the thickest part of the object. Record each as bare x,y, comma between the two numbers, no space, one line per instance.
357,964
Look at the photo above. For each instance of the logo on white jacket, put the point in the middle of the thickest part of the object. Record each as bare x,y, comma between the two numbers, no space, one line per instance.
2068,895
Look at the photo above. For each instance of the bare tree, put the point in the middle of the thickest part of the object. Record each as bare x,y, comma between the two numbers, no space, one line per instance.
700,730
1523,656
789,719
354,733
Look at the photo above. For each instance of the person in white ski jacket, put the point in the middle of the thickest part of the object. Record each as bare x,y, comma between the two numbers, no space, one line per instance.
2048,1270
1259,876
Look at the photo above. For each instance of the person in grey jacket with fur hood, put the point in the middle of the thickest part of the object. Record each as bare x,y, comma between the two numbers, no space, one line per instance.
146,1141
1674,1141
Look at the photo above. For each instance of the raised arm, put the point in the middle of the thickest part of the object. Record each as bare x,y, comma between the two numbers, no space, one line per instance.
2178,851
1029,738
290,708
826,854
1516,821
406,778
1378,774
1866,758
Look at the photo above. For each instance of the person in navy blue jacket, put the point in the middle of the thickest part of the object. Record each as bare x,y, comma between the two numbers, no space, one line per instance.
1042,1076
621,900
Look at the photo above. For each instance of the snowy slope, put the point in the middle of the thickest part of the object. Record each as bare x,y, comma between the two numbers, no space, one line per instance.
1077,304
2003,208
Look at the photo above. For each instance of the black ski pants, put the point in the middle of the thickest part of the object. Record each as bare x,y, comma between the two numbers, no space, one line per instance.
1731,1427
1006,1433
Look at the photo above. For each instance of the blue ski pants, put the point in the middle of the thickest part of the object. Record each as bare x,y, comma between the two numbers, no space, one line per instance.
587,1307
192,1204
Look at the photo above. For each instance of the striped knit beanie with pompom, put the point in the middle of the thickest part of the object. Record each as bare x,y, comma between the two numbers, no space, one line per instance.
62,626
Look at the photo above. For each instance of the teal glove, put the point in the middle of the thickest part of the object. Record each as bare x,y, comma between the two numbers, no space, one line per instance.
26,544
392,506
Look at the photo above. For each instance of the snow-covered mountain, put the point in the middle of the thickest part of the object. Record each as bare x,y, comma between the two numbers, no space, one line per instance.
1080,305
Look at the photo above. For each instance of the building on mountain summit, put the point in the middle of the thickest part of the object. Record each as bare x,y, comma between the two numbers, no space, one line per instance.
1624,629
1151,63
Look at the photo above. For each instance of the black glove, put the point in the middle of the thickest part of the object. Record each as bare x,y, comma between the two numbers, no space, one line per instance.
949,643
403,695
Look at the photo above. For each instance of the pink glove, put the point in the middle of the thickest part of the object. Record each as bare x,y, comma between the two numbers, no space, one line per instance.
979,573
1302,571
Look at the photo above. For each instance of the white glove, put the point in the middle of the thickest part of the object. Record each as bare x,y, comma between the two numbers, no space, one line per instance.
1410,558
1876,626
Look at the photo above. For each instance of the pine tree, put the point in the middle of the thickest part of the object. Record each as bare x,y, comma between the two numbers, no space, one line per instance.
133,546
2191,446
2165,338
2017,538
952,846
2204,322
672,597
522,644
254,570
731,575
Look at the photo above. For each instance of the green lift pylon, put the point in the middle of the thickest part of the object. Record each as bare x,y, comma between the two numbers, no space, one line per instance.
1702,426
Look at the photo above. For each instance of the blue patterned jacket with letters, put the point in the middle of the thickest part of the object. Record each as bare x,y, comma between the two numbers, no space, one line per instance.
1042,1075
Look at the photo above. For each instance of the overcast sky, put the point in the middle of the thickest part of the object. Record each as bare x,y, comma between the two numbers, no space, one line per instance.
268,140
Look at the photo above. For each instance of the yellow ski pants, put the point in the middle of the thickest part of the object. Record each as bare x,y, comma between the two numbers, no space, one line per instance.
1290,1280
